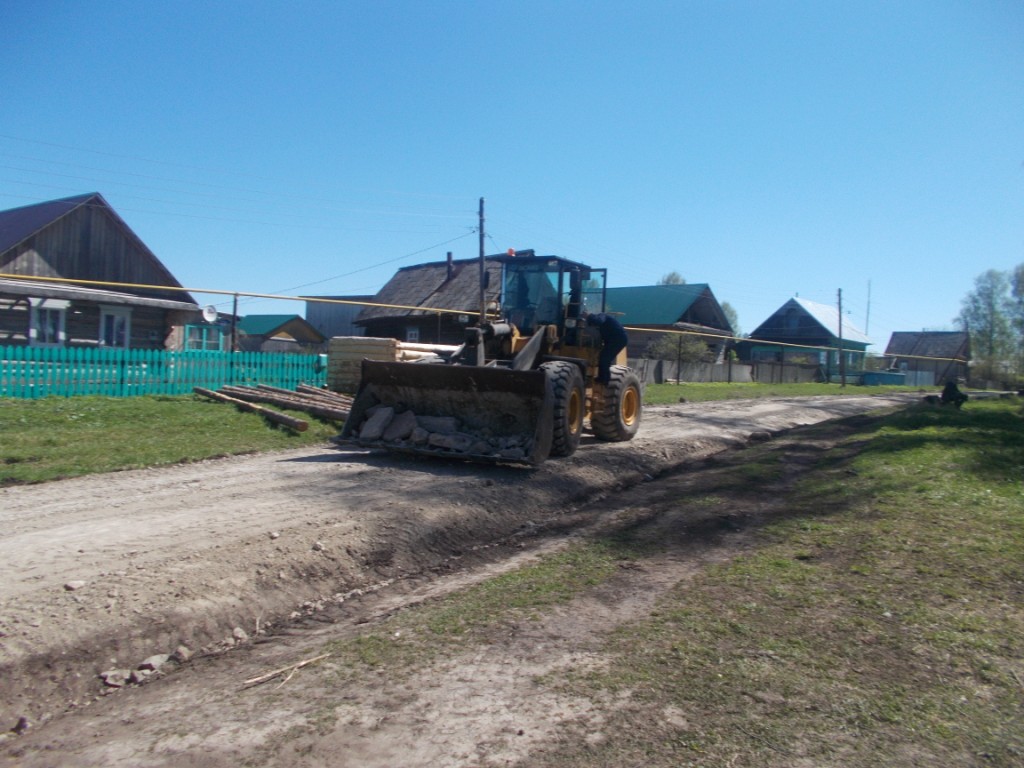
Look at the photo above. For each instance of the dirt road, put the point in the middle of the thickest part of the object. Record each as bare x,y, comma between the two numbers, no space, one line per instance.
98,574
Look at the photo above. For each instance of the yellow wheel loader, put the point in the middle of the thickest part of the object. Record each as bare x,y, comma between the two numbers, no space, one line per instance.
520,387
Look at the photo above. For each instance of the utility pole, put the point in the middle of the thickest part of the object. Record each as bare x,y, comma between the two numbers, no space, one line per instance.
867,317
483,269
842,358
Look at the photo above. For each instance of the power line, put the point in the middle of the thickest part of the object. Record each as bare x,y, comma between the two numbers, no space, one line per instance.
218,171
191,193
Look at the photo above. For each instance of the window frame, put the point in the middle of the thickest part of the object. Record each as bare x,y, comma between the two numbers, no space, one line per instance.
207,330
118,313
40,308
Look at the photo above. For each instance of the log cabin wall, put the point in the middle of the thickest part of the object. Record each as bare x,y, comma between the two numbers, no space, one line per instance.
89,243
14,321
82,238
147,326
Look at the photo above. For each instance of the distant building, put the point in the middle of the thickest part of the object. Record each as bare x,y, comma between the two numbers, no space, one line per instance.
333,318
452,285
808,333
930,357
278,333
658,308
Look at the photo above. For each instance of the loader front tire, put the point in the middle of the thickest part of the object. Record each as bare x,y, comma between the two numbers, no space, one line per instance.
617,406
566,382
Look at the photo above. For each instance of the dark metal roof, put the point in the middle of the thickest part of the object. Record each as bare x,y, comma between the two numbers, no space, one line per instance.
19,224
948,344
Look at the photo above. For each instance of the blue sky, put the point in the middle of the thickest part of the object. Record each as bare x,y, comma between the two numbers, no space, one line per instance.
769,149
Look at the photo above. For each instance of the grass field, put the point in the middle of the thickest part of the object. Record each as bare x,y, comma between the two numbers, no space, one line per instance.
53,438
879,621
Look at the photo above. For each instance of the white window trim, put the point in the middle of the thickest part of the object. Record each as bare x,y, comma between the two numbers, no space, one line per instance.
116,311
412,334
36,304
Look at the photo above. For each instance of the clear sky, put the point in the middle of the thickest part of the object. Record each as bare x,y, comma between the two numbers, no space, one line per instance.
769,149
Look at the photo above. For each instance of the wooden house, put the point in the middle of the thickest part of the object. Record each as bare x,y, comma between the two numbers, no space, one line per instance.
449,292
278,333
808,333
82,238
932,357
653,309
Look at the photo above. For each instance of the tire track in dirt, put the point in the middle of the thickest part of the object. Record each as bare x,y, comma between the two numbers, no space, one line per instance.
184,554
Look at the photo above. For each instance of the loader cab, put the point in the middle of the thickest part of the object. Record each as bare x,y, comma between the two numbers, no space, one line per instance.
547,290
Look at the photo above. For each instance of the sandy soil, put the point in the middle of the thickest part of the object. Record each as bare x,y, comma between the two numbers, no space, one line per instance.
103,572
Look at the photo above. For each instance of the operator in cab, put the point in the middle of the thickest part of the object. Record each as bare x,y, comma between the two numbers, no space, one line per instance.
613,341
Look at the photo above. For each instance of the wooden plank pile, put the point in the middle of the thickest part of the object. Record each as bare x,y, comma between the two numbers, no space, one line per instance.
345,355
311,400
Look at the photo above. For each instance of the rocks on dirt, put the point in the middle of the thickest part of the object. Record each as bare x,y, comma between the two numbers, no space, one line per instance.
73,586
385,426
114,679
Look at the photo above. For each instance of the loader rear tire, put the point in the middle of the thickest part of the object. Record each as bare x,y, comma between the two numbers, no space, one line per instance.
566,382
617,406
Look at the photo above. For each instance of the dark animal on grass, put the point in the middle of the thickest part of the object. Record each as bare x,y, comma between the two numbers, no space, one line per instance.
951,395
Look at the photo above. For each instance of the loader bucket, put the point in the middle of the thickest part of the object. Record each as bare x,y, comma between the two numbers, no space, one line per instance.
479,413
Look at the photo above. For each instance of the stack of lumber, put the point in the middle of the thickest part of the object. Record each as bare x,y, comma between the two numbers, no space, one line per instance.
311,400
345,355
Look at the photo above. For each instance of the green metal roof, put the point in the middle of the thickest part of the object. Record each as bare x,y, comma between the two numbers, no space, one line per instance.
653,304
263,325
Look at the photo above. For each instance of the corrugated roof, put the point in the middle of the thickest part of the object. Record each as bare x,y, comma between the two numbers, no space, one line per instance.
828,317
948,344
653,304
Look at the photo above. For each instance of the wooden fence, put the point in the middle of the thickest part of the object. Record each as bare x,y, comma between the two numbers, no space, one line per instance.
33,372
662,371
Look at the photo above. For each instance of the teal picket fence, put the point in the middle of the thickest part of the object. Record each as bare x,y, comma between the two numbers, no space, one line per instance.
33,372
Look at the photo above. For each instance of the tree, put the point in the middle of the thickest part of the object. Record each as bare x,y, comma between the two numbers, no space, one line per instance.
1017,311
1017,303
986,315
685,348
732,317
672,278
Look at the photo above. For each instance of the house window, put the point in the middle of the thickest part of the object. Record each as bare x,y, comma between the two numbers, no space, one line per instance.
204,337
412,333
115,326
46,323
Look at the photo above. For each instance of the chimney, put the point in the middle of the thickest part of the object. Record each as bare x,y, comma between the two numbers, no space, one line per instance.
451,268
